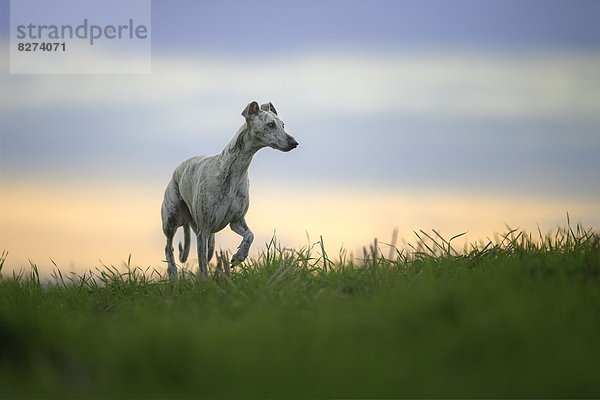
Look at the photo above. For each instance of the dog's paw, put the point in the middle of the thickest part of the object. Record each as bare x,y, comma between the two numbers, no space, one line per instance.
237,258
172,272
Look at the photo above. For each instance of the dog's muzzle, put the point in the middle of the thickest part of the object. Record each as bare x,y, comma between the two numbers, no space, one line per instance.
291,144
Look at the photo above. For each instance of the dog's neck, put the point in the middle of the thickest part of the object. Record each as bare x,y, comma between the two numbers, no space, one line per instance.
239,152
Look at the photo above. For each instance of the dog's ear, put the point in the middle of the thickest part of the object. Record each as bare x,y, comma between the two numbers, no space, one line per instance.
269,107
251,110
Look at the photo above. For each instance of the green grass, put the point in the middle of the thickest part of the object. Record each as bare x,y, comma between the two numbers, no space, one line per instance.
516,317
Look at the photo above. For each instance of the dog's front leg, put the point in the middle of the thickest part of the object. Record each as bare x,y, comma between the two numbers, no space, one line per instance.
202,241
241,228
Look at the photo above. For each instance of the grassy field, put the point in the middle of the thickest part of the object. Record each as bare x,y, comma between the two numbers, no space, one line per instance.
515,317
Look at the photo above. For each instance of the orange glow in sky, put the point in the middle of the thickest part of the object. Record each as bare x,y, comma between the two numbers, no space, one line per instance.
82,226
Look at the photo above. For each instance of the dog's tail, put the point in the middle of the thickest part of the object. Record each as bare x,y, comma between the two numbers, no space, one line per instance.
185,249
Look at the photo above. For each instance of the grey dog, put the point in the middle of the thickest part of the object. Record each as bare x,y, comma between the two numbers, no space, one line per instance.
209,193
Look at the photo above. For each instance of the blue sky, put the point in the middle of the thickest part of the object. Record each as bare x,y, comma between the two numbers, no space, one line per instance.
480,47
280,26
234,26
452,98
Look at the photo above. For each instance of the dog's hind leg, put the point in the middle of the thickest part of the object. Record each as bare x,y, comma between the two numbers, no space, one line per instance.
174,213
171,267
241,228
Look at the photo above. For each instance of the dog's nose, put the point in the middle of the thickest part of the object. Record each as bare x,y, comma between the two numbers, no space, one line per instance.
293,144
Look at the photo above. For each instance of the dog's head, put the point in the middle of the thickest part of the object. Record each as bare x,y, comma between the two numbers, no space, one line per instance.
266,127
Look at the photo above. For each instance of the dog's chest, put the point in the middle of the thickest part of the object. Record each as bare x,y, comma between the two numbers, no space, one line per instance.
230,206
237,197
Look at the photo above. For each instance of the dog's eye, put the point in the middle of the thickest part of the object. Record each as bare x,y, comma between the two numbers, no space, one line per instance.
271,125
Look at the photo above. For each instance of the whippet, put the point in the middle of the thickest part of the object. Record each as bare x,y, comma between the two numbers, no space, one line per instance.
209,193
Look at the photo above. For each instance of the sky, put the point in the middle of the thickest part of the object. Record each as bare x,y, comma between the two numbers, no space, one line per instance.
461,116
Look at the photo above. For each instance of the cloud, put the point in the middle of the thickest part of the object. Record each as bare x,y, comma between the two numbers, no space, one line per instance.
474,84
517,121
